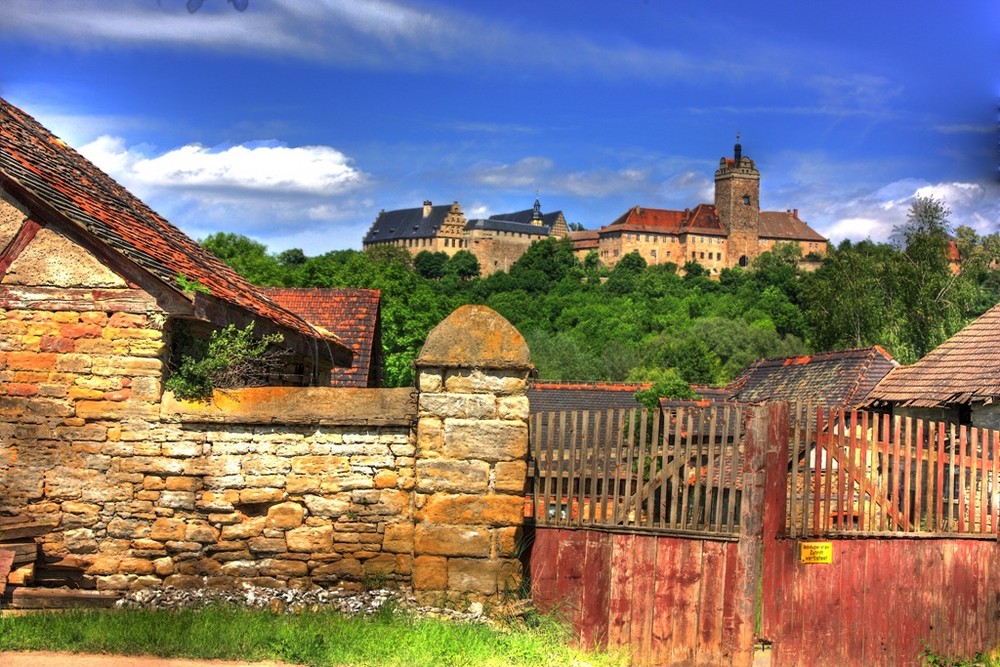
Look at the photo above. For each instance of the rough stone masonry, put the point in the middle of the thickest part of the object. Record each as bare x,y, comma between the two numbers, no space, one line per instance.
273,486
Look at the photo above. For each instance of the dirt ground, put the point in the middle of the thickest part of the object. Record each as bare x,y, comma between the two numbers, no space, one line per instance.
52,659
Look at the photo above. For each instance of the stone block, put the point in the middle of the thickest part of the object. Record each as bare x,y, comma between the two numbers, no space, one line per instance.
460,406
473,575
201,532
285,516
485,440
272,567
510,477
514,407
430,573
310,539
443,540
430,436
326,506
175,483
251,527
345,567
183,500
267,545
138,566
439,475
501,383
430,380
398,537
492,510
264,495
507,542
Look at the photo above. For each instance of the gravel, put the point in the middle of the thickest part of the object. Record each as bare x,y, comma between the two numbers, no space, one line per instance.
287,600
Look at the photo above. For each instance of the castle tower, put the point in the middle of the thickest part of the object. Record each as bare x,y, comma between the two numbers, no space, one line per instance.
737,202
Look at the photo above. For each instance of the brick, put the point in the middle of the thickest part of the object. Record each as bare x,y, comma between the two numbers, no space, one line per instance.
56,344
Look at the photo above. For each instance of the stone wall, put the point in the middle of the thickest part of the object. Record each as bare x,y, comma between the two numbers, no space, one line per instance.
275,486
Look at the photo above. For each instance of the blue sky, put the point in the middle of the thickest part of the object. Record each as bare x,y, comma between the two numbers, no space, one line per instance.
295,121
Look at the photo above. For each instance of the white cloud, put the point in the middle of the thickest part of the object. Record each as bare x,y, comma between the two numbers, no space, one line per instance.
260,167
874,213
266,190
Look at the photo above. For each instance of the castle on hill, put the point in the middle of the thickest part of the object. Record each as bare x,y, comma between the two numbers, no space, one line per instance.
731,232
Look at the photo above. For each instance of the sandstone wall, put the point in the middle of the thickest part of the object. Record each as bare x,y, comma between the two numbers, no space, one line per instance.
278,486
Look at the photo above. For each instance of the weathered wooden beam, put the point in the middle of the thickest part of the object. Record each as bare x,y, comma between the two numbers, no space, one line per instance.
124,300
6,561
24,552
15,531
22,576
61,598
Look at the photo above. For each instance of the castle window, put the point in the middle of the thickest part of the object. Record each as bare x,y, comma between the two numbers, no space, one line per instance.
746,200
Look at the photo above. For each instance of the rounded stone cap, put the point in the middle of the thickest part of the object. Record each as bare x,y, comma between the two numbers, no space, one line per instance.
475,337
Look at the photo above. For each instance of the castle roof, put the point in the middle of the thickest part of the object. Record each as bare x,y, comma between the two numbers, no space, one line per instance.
494,224
588,239
408,223
702,219
65,190
786,226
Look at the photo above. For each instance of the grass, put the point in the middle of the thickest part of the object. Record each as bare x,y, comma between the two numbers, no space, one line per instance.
320,638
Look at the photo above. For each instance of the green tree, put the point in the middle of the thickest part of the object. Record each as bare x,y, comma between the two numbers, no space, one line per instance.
464,265
247,257
430,264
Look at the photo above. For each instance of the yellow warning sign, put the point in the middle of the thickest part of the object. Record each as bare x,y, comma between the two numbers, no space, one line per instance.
813,553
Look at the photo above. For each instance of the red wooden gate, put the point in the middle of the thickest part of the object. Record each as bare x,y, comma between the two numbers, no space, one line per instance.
638,541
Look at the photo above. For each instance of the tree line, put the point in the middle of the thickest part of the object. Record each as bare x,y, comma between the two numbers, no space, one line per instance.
664,323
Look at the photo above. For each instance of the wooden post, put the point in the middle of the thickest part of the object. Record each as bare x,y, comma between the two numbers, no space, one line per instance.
775,505
748,562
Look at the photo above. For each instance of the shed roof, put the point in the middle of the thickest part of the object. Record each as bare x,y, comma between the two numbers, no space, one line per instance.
60,186
353,315
963,369
842,378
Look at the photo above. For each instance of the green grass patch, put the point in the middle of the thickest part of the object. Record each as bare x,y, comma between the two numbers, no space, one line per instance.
389,638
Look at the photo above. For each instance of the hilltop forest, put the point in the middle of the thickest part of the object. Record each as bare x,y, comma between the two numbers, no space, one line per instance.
638,322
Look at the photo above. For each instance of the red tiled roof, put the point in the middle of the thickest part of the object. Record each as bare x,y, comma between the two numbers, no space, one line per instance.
40,167
702,219
585,240
353,315
843,378
963,369
786,226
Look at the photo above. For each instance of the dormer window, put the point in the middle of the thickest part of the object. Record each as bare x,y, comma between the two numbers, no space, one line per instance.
746,200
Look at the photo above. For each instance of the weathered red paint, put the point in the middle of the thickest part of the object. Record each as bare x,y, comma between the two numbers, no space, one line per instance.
670,599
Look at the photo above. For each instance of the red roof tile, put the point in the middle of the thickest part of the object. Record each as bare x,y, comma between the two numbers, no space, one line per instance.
36,164
786,226
702,219
963,369
353,315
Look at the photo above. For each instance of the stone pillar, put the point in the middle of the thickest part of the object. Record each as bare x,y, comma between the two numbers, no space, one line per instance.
471,462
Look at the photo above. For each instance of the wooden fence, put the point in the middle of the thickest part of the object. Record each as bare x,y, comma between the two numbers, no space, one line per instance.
655,529
676,470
